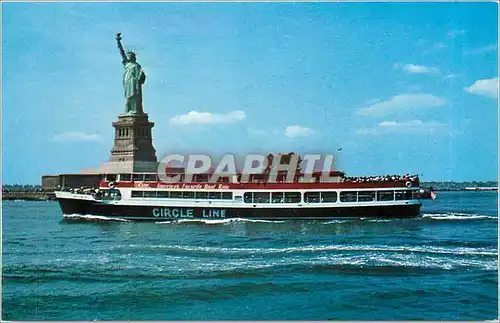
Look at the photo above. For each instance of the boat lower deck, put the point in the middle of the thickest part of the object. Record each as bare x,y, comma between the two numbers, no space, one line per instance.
152,212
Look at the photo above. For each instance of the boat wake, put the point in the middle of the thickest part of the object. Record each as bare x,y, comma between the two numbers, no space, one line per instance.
182,267
335,221
213,221
325,248
456,216
90,217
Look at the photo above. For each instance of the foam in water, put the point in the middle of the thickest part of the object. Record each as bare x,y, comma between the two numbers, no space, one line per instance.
366,260
90,217
326,248
335,221
456,216
217,221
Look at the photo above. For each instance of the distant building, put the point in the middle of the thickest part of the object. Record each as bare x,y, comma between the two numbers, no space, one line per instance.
50,182
79,180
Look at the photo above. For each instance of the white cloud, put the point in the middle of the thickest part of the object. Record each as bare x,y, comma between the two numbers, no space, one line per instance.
76,137
195,117
455,33
482,50
395,127
416,69
402,102
298,131
488,87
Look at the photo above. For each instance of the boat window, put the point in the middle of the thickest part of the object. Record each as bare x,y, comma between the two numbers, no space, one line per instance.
248,197
125,177
111,194
277,197
311,197
348,196
175,194
403,195
138,177
163,194
150,194
227,195
385,196
137,193
261,197
415,194
214,195
111,177
292,197
201,195
366,196
328,197
151,177
188,195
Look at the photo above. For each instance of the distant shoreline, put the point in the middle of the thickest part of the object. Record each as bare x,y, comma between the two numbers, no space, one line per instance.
28,196
461,186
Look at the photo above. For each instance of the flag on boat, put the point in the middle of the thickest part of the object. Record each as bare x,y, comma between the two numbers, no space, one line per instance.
433,195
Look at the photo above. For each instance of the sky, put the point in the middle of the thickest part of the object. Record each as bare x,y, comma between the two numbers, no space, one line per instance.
400,87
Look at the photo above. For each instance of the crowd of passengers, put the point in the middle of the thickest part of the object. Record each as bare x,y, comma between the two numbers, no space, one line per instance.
79,190
97,193
383,178
355,179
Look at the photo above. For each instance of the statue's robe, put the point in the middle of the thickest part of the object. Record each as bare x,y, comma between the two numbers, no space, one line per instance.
133,78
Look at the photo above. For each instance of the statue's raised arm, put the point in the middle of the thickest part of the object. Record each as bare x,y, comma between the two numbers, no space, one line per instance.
120,46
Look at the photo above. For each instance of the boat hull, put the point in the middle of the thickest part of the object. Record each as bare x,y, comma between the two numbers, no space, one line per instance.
162,213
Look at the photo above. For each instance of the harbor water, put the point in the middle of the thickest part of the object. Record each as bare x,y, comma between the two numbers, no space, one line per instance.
440,266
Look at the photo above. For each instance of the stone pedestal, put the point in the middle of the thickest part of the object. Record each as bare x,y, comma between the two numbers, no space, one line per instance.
133,149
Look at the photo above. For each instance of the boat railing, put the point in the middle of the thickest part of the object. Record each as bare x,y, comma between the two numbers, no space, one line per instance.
98,194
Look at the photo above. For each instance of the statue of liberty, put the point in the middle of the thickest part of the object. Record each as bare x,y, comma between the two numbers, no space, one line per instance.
133,78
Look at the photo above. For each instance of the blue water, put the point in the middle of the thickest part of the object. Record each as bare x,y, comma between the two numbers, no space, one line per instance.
442,266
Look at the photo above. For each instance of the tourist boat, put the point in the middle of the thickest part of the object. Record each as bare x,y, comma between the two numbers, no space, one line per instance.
142,196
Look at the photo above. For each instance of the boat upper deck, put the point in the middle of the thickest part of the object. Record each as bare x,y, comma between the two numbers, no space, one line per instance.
336,180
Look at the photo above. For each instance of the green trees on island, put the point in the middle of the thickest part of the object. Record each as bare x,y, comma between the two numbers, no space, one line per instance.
21,188
458,185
